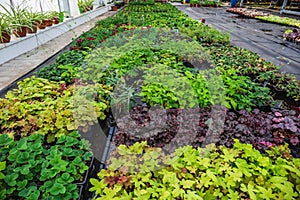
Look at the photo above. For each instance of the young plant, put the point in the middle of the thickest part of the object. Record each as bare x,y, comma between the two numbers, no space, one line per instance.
240,172
41,106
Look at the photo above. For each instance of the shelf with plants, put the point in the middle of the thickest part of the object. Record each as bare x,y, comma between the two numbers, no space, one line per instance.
256,148
281,20
21,21
253,13
19,46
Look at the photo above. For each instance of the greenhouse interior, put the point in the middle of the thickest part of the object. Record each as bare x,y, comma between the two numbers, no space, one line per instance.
82,117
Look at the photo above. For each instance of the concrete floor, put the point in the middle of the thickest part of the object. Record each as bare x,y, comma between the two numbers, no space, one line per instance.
258,36
22,65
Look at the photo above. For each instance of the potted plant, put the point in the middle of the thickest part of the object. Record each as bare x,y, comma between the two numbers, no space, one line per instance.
34,19
18,19
85,5
41,22
55,17
4,29
114,7
48,19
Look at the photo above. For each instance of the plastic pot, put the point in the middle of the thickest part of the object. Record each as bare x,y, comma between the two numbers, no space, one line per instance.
114,8
32,29
5,38
20,32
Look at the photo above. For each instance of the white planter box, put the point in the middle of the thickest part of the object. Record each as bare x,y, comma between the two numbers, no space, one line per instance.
23,45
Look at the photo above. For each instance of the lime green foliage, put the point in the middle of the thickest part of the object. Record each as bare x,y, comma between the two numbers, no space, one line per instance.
46,107
281,20
35,171
90,104
288,31
142,172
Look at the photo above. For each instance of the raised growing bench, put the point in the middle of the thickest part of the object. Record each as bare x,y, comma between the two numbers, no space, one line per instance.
23,45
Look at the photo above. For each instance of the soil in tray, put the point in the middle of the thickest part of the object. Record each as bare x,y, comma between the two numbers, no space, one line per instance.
262,128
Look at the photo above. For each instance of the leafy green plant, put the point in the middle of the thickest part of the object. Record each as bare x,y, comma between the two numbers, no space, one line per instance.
16,15
2,176
65,68
169,88
205,34
142,172
85,5
247,63
5,28
35,170
242,93
39,105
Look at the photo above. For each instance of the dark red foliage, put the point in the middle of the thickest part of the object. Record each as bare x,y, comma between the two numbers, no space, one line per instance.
177,127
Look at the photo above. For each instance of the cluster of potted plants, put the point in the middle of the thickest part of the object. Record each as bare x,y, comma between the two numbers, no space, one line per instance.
206,3
85,5
256,148
21,21
252,13
246,12
292,35
280,20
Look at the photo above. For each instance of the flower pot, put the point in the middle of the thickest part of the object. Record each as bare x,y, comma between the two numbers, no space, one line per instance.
5,37
20,32
55,20
114,8
41,25
32,29
49,22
